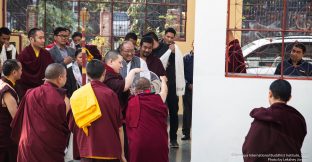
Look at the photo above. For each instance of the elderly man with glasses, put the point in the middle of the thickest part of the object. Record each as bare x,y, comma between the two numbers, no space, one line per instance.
130,61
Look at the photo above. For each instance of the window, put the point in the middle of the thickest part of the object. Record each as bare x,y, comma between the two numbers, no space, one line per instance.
267,32
106,21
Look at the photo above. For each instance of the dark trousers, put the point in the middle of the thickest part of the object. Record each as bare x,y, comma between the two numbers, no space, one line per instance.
173,105
187,112
8,154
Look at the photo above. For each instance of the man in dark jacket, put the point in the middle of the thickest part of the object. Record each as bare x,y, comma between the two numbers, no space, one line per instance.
188,96
295,65
277,132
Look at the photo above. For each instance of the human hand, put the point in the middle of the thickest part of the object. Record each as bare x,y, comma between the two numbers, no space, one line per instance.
123,159
68,60
6,45
172,47
163,79
190,87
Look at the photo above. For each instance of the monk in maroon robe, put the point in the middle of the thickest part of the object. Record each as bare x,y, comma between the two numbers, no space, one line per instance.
146,121
235,60
153,63
34,59
104,141
113,79
12,71
277,130
40,125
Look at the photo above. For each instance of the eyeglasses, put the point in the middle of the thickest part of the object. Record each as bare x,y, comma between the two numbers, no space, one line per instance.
63,36
128,51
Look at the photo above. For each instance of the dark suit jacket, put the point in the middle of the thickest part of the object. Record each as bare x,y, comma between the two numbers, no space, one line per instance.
57,56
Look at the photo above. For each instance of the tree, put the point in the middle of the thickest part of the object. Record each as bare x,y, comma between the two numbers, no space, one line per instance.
55,15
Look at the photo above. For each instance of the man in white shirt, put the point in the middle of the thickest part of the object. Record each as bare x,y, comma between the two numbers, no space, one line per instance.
7,50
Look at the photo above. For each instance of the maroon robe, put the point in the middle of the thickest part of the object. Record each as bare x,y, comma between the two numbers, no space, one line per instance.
279,129
33,68
8,148
115,82
154,64
103,139
40,125
236,61
146,121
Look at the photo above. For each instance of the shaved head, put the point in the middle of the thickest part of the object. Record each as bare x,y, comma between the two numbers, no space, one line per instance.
95,69
53,71
142,84
111,55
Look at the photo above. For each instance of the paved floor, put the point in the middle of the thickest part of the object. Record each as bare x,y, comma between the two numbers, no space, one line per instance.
183,153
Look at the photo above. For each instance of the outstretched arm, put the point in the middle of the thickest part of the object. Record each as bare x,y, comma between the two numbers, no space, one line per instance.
129,78
164,89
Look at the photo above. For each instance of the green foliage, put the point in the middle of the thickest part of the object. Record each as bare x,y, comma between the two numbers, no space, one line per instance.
135,12
55,17
169,20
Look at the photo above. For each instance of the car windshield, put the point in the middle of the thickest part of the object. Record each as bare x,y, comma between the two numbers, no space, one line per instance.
263,58
248,45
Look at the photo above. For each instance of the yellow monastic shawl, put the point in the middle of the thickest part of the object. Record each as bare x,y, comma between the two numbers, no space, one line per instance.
85,107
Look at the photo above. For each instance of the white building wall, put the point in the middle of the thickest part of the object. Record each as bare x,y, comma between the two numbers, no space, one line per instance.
221,105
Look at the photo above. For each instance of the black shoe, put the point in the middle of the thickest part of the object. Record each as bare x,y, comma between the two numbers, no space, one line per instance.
186,138
174,144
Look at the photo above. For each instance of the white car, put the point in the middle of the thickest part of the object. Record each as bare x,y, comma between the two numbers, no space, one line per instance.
263,55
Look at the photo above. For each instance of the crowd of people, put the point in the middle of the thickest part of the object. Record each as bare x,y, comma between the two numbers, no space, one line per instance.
49,114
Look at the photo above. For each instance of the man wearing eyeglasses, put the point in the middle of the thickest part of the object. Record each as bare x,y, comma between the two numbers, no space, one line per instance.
130,61
295,65
61,53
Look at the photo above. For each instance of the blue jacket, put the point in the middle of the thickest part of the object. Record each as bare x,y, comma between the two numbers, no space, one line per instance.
188,68
303,68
